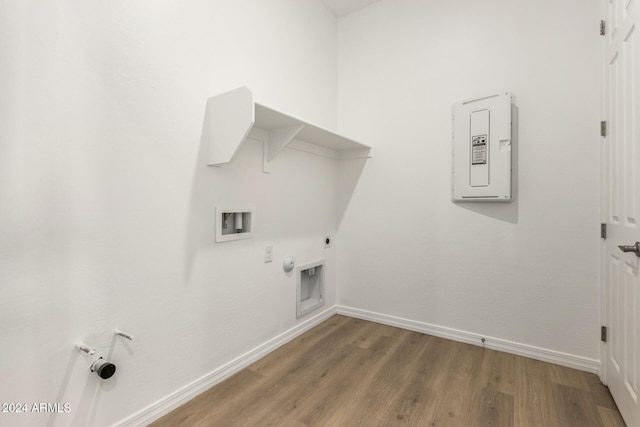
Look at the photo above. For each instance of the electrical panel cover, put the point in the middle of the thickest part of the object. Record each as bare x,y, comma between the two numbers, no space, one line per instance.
482,149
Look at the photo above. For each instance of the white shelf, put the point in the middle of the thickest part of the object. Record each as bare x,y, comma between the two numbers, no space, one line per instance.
233,116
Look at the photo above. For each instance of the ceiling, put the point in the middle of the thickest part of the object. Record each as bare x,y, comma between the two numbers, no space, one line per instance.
343,7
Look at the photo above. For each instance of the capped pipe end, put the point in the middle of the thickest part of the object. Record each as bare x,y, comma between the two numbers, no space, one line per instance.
104,369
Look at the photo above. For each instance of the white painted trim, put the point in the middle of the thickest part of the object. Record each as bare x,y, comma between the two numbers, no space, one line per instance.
169,403
543,354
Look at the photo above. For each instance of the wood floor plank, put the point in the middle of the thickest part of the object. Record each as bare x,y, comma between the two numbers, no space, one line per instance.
600,392
215,401
369,334
499,371
533,401
496,409
276,361
420,388
303,393
575,407
455,405
288,378
567,376
391,379
333,404
332,399
314,387
487,404
610,417
349,372
437,359
359,404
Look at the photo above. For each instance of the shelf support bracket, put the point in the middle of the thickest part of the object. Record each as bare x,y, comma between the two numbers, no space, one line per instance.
280,138
275,142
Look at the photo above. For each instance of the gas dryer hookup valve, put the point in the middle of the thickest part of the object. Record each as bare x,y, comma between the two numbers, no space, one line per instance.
104,369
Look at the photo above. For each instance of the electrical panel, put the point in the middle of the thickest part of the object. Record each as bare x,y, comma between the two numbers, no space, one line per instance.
482,149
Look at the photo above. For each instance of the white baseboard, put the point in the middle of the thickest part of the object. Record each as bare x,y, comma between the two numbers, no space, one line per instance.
188,392
543,354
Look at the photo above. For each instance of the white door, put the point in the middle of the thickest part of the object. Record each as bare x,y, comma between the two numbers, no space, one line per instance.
621,203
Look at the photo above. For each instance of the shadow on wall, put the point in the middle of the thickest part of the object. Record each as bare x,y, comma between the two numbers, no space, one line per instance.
201,209
349,171
507,212
73,361
502,211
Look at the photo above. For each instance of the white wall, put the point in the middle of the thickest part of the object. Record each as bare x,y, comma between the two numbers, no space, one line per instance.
525,272
107,207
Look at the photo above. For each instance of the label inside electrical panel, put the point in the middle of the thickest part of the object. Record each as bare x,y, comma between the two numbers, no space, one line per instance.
479,150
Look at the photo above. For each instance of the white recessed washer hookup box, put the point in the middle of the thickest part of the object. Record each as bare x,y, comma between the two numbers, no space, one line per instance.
481,152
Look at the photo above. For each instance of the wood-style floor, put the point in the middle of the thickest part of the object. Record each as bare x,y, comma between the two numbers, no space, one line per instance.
348,372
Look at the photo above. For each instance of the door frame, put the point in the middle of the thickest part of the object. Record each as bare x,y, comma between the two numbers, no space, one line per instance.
603,190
